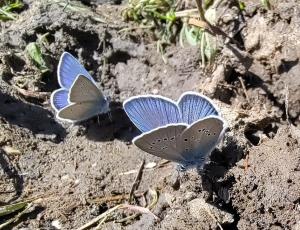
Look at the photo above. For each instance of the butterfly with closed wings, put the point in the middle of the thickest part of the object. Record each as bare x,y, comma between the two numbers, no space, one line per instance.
185,131
79,98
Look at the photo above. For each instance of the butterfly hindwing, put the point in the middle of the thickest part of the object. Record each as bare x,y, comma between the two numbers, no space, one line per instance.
68,69
84,90
150,112
194,106
59,99
79,111
201,138
162,142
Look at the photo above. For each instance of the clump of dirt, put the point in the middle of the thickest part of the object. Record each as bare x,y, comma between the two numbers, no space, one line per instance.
266,193
252,178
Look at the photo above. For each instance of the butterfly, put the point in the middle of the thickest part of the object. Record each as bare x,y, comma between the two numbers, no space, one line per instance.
185,131
79,98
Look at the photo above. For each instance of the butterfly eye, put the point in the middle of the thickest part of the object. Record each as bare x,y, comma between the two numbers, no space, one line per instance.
185,139
172,138
151,147
165,139
153,143
214,134
158,140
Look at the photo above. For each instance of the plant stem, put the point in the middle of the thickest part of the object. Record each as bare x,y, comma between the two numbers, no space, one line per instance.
200,9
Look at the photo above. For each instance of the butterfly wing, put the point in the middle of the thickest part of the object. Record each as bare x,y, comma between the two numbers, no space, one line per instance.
150,112
201,138
59,99
194,106
162,142
79,111
68,69
84,90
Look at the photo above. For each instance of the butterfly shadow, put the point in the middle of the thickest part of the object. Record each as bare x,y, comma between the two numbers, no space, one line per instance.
108,127
30,116
215,178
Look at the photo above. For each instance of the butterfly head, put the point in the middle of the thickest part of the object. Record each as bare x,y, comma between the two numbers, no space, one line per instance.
104,106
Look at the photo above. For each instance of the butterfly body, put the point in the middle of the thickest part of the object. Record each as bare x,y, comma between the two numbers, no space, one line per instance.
79,98
185,131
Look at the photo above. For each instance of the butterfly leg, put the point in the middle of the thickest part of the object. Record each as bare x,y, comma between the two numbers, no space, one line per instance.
110,116
98,120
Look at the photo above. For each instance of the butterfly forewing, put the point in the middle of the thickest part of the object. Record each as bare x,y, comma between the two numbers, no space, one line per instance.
150,112
79,111
201,138
163,142
68,69
84,90
194,106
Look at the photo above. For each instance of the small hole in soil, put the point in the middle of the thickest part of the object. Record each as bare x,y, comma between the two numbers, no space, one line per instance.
285,66
253,132
119,56
16,63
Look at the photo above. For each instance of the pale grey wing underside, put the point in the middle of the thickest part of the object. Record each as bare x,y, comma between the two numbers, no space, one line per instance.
163,142
201,138
79,111
83,90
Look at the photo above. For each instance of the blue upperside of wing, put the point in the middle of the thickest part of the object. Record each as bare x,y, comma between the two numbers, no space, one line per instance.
194,106
150,112
68,69
59,99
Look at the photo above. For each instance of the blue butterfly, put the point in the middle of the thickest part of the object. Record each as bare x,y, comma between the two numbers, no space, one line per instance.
185,131
79,98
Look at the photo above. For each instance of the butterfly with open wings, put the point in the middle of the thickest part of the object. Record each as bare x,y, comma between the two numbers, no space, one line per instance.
185,131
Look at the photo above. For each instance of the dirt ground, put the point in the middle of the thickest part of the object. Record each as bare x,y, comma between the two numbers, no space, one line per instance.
253,178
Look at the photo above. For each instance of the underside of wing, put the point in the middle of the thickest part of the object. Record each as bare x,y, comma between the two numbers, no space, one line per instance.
83,90
162,142
78,111
150,112
59,99
68,69
194,106
201,138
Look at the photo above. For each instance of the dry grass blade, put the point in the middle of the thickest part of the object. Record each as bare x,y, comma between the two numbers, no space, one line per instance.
136,181
98,218
139,209
121,197
32,94
104,216
244,89
154,195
